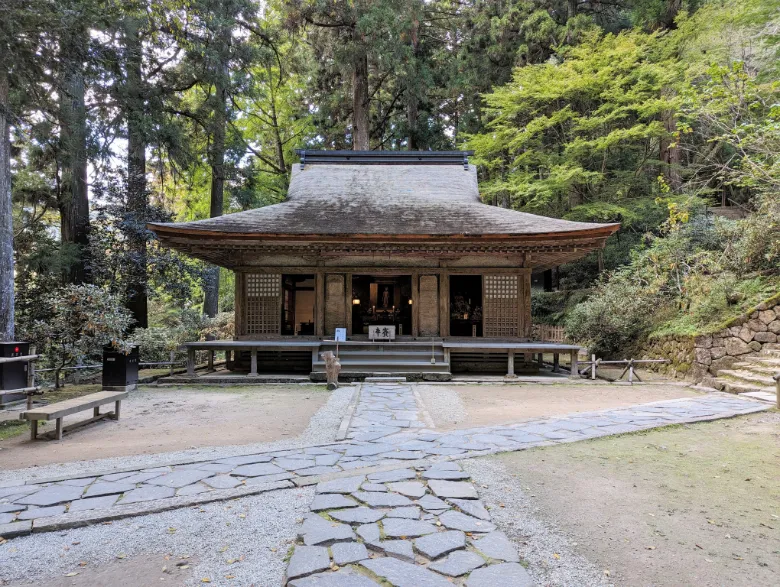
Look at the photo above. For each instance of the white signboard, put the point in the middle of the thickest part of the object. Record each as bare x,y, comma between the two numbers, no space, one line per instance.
341,335
380,332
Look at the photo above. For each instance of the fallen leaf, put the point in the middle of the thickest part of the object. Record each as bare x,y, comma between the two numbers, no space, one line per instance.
650,548
73,574
556,555
82,563
230,576
223,549
606,572
171,530
205,580
121,555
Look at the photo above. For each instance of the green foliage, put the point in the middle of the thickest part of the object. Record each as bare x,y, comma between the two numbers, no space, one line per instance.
81,320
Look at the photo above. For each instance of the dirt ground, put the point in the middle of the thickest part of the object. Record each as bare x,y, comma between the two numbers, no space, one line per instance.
688,505
486,405
161,420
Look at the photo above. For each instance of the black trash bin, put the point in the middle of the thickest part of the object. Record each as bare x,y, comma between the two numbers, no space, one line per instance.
120,370
13,375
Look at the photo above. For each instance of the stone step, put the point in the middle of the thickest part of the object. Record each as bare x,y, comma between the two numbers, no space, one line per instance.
757,368
763,396
387,366
385,379
394,355
762,360
746,377
730,386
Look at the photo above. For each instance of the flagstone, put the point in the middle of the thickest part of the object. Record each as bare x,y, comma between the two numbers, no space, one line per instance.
503,574
456,489
307,560
402,574
458,563
435,545
497,546
401,527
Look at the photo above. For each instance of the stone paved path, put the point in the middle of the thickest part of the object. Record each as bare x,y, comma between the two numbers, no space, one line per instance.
387,431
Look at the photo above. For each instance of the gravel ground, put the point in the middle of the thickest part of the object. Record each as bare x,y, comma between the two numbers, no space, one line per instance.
259,528
322,429
444,402
550,555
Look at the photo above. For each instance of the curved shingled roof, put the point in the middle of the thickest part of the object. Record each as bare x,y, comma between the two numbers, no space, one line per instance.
388,200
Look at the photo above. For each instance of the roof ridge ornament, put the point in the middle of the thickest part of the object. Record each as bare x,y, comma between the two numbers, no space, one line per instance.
345,157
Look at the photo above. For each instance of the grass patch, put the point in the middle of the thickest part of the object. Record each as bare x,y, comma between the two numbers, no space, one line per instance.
12,428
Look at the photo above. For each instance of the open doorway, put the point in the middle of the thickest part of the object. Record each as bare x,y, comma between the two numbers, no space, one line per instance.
298,305
381,300
466,305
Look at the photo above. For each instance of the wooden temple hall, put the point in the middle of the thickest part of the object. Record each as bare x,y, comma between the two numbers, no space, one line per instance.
393,252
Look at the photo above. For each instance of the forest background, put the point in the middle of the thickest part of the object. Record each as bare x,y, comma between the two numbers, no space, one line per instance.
652,113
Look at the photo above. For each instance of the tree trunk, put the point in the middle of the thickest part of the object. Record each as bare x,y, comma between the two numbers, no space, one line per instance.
360,110
74,196
137,197
6,218
670,153
412,99
217,161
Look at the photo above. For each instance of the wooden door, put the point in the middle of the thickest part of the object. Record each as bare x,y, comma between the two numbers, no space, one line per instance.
263,304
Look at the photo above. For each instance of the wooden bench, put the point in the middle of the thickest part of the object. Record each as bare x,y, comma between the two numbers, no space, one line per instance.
59,410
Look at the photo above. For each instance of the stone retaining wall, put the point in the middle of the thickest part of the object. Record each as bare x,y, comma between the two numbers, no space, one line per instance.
696,357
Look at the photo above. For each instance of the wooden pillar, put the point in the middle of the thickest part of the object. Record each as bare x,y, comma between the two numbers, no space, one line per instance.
444,304
415,304
33,429
575,372
348,303
319,304
240,302
190,361
525,308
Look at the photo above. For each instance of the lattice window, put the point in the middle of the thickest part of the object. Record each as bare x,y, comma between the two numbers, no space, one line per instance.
263,313
501,316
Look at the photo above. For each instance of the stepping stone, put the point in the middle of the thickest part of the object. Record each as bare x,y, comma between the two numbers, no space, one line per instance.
376,499
18,490
400,527
7,518
222,482
369,532
410,513
457,489
458,521
92,503
359,515
395,475
326,460
329,501
458,563
307,560
178,479
106,488
147,493
472,507
269,478
77,482
9,507
408,488
433,504
435,545
497,546
348,552
440,474
373,487
504,574
295,464
120,476
193,489
400,549
367,450
323,470
345,485
341,578
246,460
404,455
216,467
52,495
403,574
257,469
34,513
318,531
140,478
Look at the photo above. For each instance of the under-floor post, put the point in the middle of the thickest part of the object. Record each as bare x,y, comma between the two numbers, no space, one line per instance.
117,408
510,363
556,363
58,429
253,361
211,360
96,411
575,371
190,361
33,429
